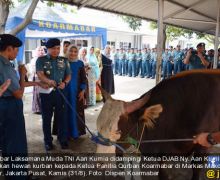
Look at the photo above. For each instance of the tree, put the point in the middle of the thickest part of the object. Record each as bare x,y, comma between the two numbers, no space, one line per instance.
4,12
173,32
209,38
133,22
27,19
5,6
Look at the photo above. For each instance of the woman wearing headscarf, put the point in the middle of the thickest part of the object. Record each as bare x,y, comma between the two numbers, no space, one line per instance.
36,103
98,91
76,94
83,58
107,77
93,75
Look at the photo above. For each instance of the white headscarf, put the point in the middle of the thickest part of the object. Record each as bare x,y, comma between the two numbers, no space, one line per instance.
105,53
83,59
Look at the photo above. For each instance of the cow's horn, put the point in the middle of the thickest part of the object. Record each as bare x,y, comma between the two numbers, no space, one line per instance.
137,104
105,94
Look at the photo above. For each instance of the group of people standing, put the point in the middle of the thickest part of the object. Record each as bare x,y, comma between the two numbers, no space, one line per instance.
92,59
74,74
142,62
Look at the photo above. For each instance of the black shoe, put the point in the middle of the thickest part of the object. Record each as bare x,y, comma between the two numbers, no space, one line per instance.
49,147
64,145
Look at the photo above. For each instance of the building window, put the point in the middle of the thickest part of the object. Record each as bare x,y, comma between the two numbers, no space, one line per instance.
125,45
146,45
28,56
85,43
111,43
79,43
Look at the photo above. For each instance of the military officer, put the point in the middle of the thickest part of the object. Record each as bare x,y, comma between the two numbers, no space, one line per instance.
197,59
145,65
138,62
116,61
121,57
132,63
12,125
178,57
153,63
167,66
210,57
126,61
55,72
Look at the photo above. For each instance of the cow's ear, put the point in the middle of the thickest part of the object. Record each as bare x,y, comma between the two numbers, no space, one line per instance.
150,114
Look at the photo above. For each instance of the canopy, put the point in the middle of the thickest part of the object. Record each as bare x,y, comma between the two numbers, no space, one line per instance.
198,15
43,26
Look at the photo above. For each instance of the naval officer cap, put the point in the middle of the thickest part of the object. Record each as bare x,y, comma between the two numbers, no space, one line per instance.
9,40
52,43
200,45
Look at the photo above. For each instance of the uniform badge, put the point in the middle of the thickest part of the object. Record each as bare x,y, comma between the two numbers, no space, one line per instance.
60,63
48,72
47,65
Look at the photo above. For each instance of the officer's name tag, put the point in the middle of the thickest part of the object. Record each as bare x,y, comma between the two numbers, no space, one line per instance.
45,91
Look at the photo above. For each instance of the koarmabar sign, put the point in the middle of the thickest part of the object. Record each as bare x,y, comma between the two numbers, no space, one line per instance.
64,26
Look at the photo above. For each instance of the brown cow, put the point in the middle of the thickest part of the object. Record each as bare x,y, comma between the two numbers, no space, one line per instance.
185,105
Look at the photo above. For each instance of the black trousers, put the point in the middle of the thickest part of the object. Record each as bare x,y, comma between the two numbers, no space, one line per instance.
53,104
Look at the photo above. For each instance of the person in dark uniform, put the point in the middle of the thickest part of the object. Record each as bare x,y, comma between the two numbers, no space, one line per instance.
210,57
12,125
121,57
138,62
55,72
197,59
132,63
178,57
153,63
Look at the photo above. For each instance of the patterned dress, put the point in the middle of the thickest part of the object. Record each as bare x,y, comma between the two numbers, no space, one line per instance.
98,91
